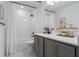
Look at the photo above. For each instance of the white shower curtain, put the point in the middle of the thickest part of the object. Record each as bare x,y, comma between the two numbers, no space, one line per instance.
10,29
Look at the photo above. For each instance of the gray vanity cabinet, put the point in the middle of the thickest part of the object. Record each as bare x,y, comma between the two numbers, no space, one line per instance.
45,47
38,46
62,50
55,49
48,48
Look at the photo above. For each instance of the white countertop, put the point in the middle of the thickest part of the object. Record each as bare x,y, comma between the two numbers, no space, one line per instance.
73,41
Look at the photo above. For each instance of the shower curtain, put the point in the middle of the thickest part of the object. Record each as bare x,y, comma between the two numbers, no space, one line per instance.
9,29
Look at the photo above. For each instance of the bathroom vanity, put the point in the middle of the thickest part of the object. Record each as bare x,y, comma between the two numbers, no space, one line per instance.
50,45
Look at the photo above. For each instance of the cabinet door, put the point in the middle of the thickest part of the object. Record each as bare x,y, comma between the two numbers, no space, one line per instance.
40,47
36,45
77,51
48,48
63,50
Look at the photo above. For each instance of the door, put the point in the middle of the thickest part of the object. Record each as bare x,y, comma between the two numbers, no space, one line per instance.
48,48
62,50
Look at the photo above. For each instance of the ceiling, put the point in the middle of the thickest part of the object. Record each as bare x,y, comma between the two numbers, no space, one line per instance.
61,4
37,4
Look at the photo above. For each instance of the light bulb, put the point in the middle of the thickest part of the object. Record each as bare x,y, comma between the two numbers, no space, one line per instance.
22,6
48,1
52,3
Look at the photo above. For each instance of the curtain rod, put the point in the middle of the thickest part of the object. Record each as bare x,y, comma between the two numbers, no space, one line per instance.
22,4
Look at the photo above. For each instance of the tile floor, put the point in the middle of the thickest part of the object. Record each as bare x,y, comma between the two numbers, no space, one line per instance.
24,50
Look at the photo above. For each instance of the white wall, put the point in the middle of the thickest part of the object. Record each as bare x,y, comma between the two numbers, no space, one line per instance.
23,23
43,19
71,13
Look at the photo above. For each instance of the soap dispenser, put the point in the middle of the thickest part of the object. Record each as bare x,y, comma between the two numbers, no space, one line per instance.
52,30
